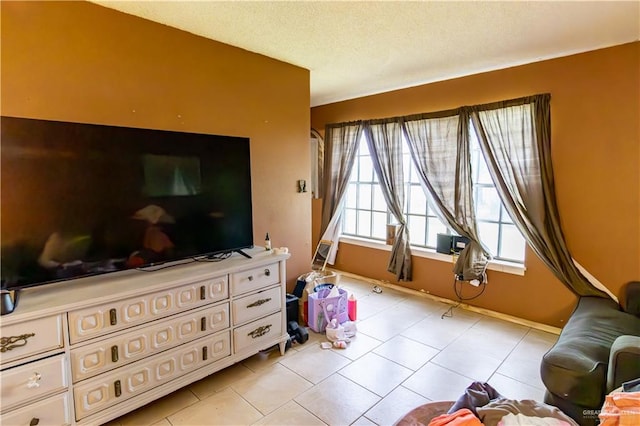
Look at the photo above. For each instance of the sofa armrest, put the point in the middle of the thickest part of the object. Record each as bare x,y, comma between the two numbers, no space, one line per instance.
624,361
630,300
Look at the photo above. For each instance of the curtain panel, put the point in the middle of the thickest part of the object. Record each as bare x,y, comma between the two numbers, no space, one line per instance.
515,139
341,145
384,138
439,146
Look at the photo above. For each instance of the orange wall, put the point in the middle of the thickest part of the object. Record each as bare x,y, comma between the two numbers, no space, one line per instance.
80,62
595,113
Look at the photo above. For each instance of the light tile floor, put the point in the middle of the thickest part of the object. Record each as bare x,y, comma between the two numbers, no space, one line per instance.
405,354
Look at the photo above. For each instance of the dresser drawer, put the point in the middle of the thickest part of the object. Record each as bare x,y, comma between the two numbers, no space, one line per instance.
117,386
30,381
254,279
51,411
256,305
31,338
95,358
257,332
99,320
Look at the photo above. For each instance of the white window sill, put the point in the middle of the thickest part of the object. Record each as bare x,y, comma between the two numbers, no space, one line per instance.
494,265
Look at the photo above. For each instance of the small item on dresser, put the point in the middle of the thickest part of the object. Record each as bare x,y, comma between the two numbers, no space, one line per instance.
9,301
267,242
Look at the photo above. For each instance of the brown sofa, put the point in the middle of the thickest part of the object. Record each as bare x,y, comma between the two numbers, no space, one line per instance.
597,351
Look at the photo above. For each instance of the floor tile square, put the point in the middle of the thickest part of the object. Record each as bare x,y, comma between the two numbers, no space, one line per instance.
271,388
437,383
493,337
337,400
514,389
439,332
467,360
313,342
389,323
375,303
363,421
223,408
315,364
523,366
406,352
220,380
266,359
290,414
159,409
376,373
422,305
537,342
360,344
395,405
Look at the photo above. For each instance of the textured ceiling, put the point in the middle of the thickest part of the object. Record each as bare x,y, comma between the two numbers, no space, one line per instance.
358,48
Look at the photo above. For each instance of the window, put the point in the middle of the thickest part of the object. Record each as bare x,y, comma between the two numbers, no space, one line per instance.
366,214
424,226
496,229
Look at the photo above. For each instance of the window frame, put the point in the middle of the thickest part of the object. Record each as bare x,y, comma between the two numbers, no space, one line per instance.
423,250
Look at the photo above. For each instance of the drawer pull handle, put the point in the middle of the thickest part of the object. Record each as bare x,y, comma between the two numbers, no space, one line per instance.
117,387
260,331
204,353
250,277
34,421
34,381
259,302
114,353
113,316
203,292
267,272
12,342
203,324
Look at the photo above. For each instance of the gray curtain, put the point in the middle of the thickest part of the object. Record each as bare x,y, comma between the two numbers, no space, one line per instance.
515,139
340,148
384,139
439,146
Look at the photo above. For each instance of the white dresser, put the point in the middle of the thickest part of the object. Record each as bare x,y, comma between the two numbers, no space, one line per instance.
90,350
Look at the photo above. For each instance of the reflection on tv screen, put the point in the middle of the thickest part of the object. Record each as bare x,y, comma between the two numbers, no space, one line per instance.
82,199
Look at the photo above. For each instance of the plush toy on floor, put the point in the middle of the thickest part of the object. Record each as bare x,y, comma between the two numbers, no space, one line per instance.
340,334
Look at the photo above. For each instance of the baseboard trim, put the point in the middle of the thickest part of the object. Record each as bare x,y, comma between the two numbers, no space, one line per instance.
487,312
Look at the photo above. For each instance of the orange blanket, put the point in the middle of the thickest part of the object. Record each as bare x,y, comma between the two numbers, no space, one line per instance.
621,409
462,417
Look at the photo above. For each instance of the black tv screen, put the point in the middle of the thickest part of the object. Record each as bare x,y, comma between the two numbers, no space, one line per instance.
84,199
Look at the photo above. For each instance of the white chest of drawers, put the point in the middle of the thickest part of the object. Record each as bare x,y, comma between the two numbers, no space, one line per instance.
90,350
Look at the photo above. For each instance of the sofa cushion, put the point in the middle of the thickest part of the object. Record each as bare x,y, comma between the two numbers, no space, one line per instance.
575,368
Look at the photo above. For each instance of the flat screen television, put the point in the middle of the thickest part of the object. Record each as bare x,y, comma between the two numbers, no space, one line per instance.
84,199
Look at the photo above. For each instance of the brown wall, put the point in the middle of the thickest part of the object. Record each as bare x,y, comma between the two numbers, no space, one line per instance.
80,62
595,113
